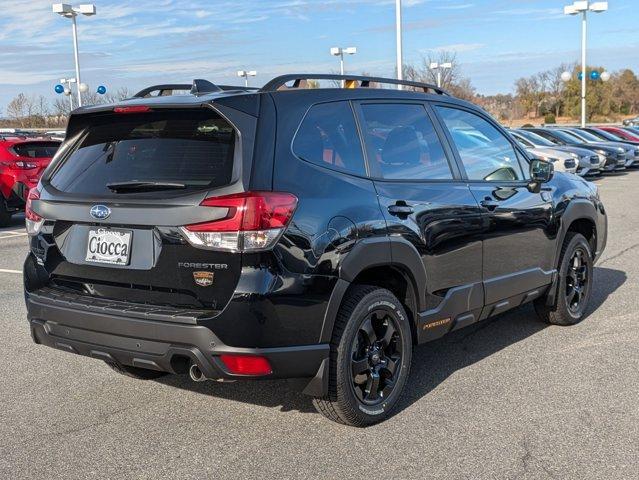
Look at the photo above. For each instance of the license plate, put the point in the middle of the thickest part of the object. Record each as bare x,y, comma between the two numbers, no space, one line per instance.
109,246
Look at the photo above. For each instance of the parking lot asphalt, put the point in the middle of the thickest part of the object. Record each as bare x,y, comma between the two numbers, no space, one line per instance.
507,398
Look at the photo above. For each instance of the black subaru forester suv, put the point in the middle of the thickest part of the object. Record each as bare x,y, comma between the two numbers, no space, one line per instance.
292,232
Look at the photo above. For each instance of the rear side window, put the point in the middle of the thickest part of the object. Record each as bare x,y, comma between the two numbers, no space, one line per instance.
401,143
194,148
328,137
36,149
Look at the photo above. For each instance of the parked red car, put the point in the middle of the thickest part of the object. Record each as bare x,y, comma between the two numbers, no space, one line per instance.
620,132
22,161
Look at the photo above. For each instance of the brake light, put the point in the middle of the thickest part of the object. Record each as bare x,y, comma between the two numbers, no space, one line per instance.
132,109
254,221
33,221
26,165
247,364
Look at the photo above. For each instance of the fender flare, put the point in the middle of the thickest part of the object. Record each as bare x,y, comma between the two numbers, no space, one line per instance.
375,252
577,209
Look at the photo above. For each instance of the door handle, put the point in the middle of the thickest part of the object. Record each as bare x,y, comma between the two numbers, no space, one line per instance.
489,204
400,210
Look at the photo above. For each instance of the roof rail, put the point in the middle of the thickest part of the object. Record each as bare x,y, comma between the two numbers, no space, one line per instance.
365,81
198,87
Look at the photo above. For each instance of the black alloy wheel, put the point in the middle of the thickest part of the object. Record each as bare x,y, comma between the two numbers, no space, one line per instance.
577,279
376,355
369,364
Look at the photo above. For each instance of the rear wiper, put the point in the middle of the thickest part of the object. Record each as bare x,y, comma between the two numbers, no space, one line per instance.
143,186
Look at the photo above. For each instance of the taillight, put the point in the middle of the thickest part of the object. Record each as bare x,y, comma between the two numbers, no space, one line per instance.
254,221
20,165
26,165
246,364
33,221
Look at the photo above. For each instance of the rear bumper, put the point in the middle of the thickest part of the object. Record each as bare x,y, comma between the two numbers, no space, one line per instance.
156,345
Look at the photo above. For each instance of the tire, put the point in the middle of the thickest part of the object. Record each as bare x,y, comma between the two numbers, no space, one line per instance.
135,372
372,335
574,284
5,215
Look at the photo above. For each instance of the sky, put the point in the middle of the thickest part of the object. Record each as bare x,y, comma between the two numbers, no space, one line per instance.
144,42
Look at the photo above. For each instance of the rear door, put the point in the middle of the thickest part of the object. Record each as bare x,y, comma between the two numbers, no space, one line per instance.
518,245
115,203
421,195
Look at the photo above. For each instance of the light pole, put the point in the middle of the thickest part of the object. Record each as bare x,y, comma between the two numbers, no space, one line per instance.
398,40
339,52
583,6
245,74
71,12
439,67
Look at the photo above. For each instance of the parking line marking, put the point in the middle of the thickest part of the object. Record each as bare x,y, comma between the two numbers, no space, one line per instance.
4,270
12,234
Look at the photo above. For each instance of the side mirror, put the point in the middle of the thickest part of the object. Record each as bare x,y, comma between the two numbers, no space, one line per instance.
540,172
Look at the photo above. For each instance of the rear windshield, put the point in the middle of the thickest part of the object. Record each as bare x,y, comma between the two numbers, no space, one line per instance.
36,149
194,148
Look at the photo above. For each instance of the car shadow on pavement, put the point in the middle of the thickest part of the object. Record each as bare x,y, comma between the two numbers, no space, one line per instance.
432,363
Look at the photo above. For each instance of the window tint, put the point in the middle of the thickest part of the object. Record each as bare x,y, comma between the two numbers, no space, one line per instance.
522,140
328,137
402,143
535,138
485,152
36,149
194,148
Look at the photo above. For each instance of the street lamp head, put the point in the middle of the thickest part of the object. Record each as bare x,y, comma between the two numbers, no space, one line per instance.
251,73
87,9
447,65
63,9
570,10
350,50
241,73
566,76
598,7
336,51
433,65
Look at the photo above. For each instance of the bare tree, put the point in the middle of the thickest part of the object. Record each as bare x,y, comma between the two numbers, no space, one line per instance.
17,109
449,76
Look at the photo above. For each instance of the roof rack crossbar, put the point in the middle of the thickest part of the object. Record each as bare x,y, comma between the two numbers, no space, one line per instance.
365,81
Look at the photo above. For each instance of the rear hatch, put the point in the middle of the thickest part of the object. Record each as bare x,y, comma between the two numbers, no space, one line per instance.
33,156
116,201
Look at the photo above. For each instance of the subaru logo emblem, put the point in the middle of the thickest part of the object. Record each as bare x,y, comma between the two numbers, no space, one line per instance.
100,212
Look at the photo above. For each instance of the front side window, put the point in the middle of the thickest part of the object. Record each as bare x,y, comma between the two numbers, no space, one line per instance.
484,151
402,143
328,137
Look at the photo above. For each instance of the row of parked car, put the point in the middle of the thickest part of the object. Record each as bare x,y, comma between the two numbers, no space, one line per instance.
588,151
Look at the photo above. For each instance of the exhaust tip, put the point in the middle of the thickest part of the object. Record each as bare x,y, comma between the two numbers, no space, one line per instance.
196,374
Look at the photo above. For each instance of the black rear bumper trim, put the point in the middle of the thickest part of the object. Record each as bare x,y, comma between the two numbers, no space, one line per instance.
156,345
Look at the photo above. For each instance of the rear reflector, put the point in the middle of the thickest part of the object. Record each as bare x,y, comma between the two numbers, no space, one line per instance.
254,221
247,364
33,221
132,109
